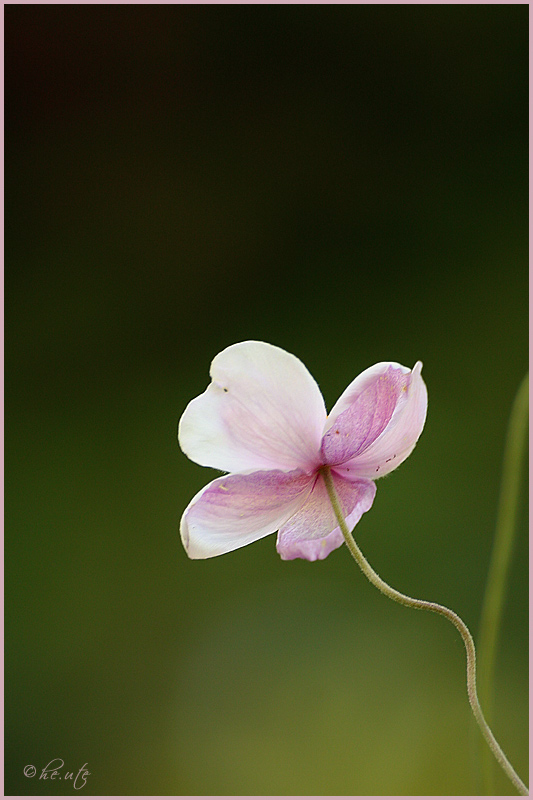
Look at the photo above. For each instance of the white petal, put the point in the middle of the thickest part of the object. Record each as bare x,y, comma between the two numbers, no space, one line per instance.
233,511
262,410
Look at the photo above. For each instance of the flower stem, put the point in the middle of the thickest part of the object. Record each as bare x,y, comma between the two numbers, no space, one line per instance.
404,600
492,610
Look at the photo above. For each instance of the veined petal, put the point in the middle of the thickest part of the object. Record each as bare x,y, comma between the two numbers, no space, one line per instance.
309,549
366,378
233,511
312,533
262,410
367,408
397,439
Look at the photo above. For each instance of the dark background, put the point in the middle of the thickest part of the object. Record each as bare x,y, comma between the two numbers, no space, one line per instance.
349,183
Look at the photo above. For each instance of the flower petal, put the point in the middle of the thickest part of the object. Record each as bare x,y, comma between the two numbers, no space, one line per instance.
262,410
379,454
235,510
312,533
365,379
310,549
365,418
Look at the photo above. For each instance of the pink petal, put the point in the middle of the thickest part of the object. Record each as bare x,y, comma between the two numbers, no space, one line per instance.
366,378
310,549
312,533
365,418
262,410
398,438
233,511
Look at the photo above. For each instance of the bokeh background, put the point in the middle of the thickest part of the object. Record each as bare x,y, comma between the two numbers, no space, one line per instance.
350,183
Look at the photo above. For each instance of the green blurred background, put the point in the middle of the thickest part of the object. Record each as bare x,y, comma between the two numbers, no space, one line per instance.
349,183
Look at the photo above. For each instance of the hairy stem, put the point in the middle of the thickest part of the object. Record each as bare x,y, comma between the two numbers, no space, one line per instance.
404,600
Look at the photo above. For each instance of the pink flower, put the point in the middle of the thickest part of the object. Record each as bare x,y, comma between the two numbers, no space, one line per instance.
263,419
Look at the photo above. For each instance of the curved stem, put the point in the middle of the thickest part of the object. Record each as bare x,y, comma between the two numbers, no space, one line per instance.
404,600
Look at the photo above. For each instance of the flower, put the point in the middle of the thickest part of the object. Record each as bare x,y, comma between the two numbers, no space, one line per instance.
263,420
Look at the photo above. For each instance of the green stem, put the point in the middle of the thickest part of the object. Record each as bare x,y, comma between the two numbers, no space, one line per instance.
492,610
404,600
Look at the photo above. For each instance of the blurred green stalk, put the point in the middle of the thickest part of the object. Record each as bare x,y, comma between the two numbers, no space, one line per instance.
493,602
